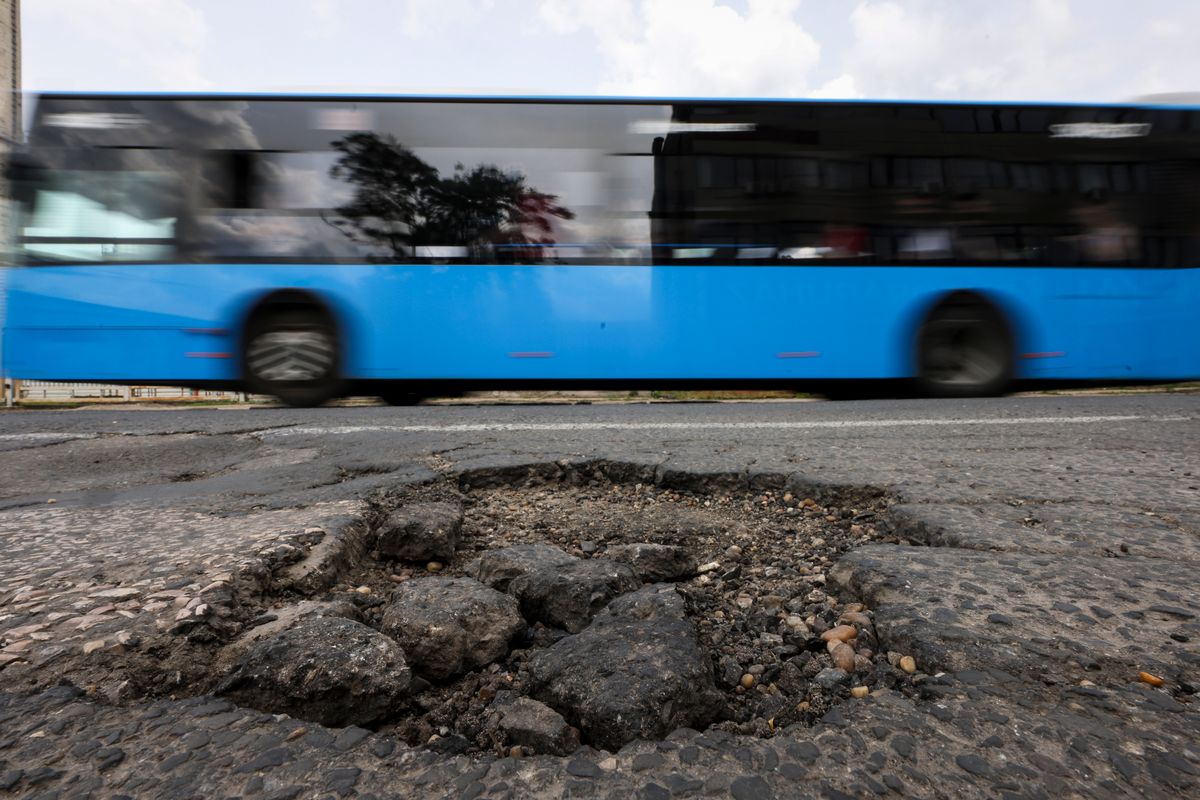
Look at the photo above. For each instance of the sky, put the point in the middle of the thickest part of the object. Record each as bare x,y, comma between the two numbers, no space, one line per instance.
1081,50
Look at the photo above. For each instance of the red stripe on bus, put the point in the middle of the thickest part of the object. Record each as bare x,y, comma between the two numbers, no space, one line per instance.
1055,354
209,355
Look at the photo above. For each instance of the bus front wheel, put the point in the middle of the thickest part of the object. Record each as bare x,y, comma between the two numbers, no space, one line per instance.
964,349
293,355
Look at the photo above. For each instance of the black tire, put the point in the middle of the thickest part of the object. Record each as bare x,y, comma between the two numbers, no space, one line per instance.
964,349
293,354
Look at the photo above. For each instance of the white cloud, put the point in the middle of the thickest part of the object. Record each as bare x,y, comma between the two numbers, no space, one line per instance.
604,17
693,47
843,87
1026,49
150,44
326,21
426,17
1162,55
970,49
912,50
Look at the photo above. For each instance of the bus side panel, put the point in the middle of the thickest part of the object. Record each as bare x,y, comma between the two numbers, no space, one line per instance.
1121,324
604,323
555,322
778,322
113,323
149,322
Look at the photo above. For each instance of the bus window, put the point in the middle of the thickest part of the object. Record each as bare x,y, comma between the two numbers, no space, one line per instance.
259,206
86,215
1106,235
967,175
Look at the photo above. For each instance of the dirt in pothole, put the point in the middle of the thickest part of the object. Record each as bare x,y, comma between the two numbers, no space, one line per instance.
758,602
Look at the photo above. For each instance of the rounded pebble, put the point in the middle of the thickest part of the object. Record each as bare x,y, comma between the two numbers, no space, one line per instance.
843,657
1153,680
841,633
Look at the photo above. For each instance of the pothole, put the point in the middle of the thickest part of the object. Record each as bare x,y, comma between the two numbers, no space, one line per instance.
577,609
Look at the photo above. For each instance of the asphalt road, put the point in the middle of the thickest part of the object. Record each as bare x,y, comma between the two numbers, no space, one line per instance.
1055,551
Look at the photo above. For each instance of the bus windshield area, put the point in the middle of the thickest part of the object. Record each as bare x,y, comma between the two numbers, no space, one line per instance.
100,216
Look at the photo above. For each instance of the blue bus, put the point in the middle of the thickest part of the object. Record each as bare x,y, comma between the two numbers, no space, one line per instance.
319,246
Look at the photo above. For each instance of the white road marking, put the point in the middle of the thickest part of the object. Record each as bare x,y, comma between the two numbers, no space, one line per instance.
44,437
500,427
487,427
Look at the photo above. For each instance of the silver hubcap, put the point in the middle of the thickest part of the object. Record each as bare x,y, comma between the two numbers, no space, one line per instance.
291,356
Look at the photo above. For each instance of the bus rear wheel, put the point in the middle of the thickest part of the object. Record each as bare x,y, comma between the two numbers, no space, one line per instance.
293,355
964,349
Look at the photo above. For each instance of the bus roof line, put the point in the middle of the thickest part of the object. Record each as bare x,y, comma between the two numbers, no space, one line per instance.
597,99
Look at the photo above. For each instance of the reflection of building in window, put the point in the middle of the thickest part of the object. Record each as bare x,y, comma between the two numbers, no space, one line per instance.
1106,237
846,241
565,183
923,245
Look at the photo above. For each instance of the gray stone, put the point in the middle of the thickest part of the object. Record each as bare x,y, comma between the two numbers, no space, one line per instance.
791,679
453,744
349,738
333,671
1172,611
536,725
582,768
652,791
109,757
830,678
655,563
905,585
750,787
448,626
569,596
637,671
645,761
280,620
552,586
270,758
972,764
421,532
498,568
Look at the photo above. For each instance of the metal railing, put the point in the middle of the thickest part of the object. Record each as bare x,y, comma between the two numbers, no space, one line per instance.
66,392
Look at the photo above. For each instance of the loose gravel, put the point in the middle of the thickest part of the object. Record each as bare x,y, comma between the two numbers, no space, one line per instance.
782,649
